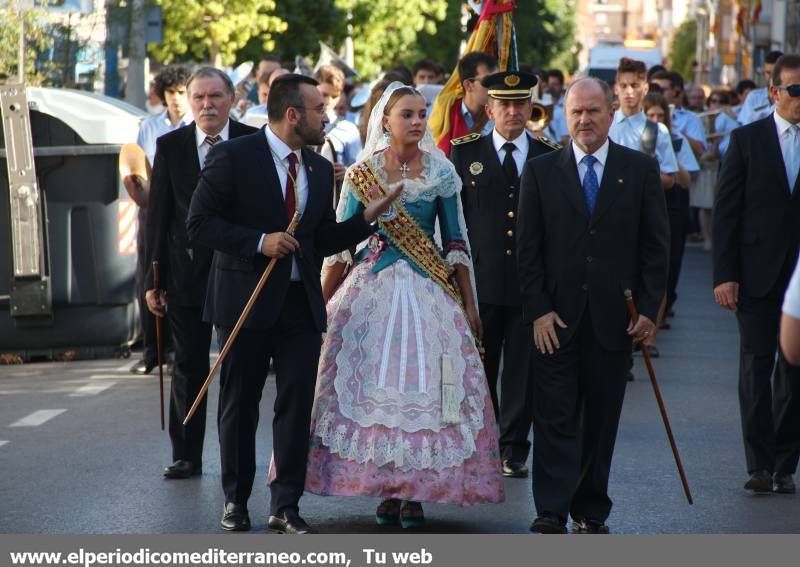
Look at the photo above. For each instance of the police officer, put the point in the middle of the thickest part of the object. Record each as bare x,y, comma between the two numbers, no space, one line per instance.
490,167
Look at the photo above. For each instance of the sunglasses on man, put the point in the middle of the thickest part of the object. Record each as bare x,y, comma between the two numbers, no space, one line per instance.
793,90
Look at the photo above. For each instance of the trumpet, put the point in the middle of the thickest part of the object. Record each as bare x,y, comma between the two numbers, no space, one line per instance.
541,115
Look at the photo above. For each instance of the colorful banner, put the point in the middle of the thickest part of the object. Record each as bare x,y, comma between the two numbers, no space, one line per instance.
493,34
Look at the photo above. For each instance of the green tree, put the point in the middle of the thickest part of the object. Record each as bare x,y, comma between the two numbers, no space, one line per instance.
305,28
545,33
37,40
214,30
443,43
385,31
683,50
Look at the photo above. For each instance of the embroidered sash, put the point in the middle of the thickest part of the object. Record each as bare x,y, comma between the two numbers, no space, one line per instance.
404,231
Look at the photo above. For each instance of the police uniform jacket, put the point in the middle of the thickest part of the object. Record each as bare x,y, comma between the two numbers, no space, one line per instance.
490,209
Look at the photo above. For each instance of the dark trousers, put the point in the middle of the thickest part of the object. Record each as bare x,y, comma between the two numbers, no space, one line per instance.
770,407
146,319
192,339
678,210
506,335
577,401
294,346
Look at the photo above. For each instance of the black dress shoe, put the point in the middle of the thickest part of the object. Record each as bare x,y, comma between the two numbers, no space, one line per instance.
513,469
289,523
759,481
235,518
143,367
549,524
589,527
182,469
783,484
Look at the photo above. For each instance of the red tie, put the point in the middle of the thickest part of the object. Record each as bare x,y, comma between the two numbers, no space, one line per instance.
292,175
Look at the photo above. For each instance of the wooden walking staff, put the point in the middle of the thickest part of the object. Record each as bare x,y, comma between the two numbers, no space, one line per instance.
159,349
242,318
635,317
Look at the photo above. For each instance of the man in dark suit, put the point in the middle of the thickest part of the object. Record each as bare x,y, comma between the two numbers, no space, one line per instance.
490,167
592,223
184,265
248,192
756,233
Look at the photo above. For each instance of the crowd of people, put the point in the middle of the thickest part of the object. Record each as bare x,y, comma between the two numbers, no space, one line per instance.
442,298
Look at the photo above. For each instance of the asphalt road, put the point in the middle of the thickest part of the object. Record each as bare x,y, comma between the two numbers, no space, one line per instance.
81,450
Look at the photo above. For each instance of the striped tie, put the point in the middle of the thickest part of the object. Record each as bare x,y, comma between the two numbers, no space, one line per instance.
211,141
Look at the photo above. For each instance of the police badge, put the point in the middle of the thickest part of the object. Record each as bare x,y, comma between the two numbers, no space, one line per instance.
476,168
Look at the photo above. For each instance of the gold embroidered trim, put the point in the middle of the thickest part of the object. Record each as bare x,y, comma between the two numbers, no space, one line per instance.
404,232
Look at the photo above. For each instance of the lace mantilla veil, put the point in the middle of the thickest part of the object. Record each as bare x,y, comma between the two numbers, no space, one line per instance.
441,179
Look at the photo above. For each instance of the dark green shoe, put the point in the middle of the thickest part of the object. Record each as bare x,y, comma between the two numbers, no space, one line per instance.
388,512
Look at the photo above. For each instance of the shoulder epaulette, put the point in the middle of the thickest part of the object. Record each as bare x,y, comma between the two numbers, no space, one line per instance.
549,143
465,139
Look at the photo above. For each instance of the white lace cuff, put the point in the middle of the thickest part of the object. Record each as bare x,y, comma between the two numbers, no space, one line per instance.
456,256
343,257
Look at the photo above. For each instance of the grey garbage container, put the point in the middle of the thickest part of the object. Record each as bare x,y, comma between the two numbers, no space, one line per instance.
91,228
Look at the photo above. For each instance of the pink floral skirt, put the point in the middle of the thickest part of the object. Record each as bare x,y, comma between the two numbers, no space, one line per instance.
402,408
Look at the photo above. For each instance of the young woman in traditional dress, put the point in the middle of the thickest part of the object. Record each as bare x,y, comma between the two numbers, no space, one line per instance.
402,410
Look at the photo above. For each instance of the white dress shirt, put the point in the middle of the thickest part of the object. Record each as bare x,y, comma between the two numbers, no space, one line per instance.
280,151
520,155
724,124
151,128
558,125
685,155
755,106
256,116
346,140
599,166
789,153
689,124
627,131
791,302
203,147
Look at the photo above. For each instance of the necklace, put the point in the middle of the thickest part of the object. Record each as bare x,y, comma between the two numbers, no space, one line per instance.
404,164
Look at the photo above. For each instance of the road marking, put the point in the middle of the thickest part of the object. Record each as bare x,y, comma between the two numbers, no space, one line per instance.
124,368
11,375
3,443
91,390
106,376
117,377
37,418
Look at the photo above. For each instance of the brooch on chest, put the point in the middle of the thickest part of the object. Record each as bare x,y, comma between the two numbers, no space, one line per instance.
476,168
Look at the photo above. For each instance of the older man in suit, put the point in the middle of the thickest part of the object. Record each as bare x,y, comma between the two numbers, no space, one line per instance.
592,223
756,237
184,264
248,192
